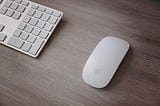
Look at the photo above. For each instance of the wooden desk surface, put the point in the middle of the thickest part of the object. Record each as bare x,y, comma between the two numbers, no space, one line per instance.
54,78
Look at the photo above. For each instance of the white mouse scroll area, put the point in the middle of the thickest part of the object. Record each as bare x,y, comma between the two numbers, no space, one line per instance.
104,61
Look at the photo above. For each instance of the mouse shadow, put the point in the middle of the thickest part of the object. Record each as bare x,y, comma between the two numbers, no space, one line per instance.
121,71
52,38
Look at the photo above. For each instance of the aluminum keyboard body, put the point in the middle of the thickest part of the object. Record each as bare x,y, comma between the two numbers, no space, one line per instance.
26,26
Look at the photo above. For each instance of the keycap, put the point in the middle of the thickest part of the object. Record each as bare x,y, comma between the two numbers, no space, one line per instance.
31,38
8,4
26,19
45,17
1,27
26,46
40,24
24,35
36,31
35,6
18,1
31,12
16,15
22,25
25,3
33,21
36,46
40,8
21,8
56,13
3,10
48,27
49,11
44,34
15,42
38,14
9,12
14,6
28,28
2,37
17,33
53,20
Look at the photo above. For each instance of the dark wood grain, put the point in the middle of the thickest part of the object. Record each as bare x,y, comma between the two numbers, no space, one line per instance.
54,78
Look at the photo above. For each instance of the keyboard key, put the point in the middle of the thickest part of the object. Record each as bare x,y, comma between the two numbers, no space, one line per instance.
1,27
2,37
36,46
26,19
56,13
24,35
38,14
26,46
29,28
44,34
15,42
22,26
3,10
9,12
36,31
14,6
21,8
34,6
31,38
33,21
25,3
17,33
18,1
49,11
40,8
40,24
45,17
8,4
31,12
48,27
53,20
16,15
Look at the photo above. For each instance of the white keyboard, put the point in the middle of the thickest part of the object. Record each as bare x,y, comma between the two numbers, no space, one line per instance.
26,26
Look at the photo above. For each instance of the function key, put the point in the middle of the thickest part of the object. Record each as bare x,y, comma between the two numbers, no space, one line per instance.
18,1
41,9
25,3
34,6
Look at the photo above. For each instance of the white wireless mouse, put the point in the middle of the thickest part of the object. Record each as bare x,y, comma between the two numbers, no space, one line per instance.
104,61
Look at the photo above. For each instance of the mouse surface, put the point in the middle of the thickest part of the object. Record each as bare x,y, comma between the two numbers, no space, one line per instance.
104,61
